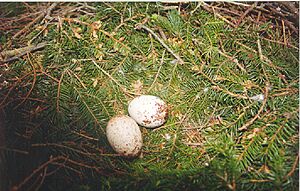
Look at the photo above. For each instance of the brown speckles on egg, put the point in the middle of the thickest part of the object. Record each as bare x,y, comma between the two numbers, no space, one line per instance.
149,111
124,136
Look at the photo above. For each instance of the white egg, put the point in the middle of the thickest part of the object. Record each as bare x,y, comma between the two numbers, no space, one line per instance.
124,136
148,111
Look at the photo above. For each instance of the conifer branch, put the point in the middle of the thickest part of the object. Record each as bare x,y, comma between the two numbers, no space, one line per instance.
33,82
141,26
250,122
90,110
113,79
58,90
156,76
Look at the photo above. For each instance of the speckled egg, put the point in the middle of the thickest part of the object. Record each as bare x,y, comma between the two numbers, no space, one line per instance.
124,136
148,111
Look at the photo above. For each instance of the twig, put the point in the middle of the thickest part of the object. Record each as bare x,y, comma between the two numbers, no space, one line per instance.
14,150
17,53
279,42
208,8
264,58
104,32
76,76
259,50
233,59
90,111
110,36
113,79
46,74
58,91
283,31
291,172
41,31
12,88
141,26
42,15
193,144
85,136
178,127
156,76
17,187
62,146
245,13
250,122
33,83
43,178
218,88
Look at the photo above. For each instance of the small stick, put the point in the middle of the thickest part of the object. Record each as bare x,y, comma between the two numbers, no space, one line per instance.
58,91
141,26
250,122
266,59
17,53
234,60
279,42
293,167
43,14
33,83
259,50
208,8
114,80
85,136
44,165
156,76
283,30
245,13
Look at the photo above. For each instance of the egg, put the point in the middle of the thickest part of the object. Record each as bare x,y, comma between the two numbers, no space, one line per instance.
148,111
124,136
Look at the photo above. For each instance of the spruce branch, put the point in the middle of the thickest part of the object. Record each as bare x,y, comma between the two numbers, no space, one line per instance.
58,90
234,60
113,79
275,137
89,110
262,57
294,167
33,82
156,76
141,26
250,122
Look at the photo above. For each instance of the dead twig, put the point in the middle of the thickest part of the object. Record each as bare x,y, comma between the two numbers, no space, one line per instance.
33,83
58,91
245,13
42,15
85,136
44,165
233,59
250,122
211,10
156,76
17,53
291,172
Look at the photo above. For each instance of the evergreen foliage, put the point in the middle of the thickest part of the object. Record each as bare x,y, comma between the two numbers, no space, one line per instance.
219,135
